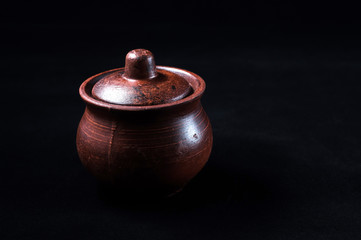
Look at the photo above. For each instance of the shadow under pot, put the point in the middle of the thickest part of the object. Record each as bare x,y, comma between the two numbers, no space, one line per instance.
144,130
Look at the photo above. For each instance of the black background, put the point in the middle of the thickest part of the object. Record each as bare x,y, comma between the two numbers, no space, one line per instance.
283,96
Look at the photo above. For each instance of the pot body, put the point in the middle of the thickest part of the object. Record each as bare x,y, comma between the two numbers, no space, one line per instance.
146,151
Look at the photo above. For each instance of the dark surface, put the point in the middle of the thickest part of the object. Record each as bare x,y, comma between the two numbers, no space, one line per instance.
283,96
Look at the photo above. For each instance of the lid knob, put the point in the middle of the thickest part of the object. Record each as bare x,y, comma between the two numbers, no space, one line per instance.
139,64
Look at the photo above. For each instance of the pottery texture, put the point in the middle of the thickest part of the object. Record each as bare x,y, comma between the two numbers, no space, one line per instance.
156,149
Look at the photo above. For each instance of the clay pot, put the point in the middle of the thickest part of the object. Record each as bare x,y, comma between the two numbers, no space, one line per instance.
144,129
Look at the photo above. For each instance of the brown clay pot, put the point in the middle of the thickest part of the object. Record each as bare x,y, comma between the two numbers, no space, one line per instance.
144,129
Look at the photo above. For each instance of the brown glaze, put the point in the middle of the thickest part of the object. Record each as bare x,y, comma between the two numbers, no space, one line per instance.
139,64
153,149
140,83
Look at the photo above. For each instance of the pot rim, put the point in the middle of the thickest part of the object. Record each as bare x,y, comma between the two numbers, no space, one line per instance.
197,83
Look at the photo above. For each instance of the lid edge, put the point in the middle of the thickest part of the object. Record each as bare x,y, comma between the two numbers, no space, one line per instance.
198,85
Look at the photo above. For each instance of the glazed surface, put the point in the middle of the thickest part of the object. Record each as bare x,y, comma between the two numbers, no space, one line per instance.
159,150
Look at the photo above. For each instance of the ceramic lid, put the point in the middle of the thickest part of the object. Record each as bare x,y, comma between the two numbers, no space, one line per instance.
141,83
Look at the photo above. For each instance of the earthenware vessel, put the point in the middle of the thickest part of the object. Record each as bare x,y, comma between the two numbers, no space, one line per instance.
144,129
